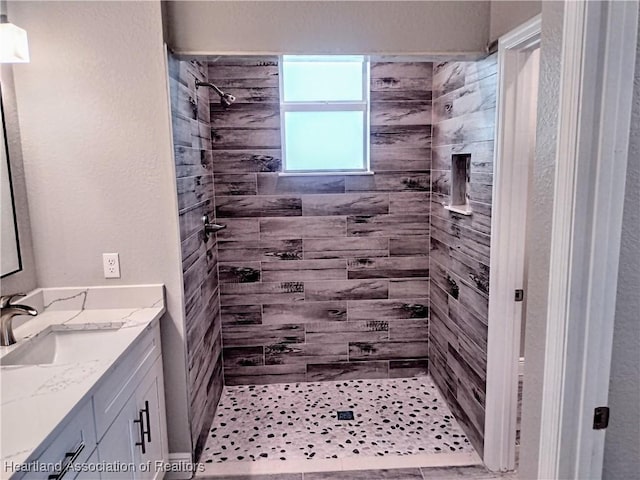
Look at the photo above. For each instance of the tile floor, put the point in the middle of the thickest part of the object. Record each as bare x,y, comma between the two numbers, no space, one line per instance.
295,428
473,472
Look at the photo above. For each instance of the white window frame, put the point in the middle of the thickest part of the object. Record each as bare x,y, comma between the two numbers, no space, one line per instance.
328,106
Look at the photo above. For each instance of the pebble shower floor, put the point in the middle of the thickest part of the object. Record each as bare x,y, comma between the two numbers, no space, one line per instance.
296,421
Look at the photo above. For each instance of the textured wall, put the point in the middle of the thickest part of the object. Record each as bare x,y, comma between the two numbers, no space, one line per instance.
322,277
324,27
464,96
93,107
505,15
194,176
539,218
622,448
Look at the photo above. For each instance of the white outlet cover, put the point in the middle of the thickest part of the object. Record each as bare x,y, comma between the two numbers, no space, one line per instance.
111,265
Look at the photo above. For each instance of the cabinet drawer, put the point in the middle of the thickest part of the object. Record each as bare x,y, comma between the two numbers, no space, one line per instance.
114,392
76,442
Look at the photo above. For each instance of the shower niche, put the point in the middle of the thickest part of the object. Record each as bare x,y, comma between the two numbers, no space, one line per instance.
460,181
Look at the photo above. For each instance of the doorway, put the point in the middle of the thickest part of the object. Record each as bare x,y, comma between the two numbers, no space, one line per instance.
518,70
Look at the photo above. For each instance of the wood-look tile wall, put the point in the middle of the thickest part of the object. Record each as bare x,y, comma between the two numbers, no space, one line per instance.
463,122
323,277
194,172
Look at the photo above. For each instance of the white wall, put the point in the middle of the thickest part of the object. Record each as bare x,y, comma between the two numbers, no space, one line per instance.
96,140
539,235
507,15
327,26
622,447
622,444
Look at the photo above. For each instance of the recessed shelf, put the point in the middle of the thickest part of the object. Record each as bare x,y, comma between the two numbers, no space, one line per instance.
461,209
320,173
459,188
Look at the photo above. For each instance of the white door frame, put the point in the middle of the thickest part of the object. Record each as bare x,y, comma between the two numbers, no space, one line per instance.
598,58
514,146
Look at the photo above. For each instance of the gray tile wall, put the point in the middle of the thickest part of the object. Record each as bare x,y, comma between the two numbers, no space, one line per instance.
195,182
463,122
322,278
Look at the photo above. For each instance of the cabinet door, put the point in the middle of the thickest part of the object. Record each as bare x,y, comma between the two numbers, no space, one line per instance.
93,460
150,403
118,445
137,436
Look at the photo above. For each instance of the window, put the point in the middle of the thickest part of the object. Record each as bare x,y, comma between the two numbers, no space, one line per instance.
324,113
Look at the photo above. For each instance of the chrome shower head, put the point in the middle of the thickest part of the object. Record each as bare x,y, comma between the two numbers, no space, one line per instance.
226,99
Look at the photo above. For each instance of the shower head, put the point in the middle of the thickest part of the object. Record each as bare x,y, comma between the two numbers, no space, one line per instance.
226,99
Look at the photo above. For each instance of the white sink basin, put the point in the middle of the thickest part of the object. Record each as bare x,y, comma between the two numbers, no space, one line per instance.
62,346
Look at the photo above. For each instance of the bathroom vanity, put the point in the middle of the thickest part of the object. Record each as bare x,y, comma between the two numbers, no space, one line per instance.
82,389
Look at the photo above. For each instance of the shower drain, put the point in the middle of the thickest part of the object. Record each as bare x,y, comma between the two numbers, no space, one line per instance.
346,415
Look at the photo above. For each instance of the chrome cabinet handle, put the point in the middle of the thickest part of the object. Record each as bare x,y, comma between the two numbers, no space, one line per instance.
72,456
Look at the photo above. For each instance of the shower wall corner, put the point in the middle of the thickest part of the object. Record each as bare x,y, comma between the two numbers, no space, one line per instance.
195,188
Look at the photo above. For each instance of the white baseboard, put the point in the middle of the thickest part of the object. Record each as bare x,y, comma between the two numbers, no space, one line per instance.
181,467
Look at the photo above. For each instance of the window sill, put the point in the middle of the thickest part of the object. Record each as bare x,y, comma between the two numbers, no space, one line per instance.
461,209
321,174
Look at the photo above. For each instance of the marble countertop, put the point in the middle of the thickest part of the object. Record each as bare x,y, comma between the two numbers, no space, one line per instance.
36,399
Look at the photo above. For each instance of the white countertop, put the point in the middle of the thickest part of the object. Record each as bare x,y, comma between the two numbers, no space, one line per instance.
35,399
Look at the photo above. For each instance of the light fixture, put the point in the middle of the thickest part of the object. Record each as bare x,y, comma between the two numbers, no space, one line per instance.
14,47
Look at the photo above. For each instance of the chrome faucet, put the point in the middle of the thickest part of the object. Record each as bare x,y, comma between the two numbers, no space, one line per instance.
7,312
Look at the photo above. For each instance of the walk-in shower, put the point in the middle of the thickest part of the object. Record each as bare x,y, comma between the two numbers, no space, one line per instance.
339,321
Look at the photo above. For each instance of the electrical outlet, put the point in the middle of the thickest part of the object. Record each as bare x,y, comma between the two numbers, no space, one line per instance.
111,265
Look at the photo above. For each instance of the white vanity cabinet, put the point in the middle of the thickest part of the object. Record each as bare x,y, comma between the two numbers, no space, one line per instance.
120,431
130,413
74,445
119,443
137,436
150,402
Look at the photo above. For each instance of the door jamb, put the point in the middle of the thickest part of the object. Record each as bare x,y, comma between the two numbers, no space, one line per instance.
512,164
598,58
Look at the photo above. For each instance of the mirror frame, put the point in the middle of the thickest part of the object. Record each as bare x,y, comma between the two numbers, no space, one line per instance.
11,190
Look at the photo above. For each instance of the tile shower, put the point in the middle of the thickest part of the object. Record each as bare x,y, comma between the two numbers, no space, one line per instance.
335,280
323,277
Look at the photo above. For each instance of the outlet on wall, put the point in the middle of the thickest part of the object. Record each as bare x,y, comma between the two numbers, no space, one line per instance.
111,265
